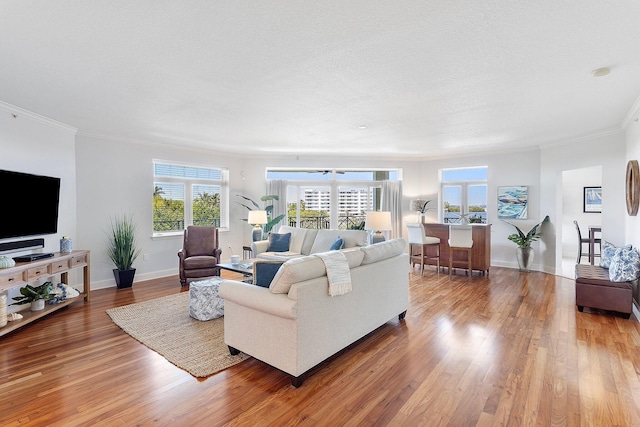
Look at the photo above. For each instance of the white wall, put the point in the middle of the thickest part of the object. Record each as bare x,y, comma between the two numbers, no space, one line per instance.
102,177
573,183
515,168
34,144
632,139
606,151
116,177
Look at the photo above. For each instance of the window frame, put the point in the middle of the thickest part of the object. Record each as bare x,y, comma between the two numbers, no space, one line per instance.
188,183
333,184
464,192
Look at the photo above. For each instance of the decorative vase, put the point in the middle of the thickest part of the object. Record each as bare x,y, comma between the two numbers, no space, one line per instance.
124,278
37,305
525,258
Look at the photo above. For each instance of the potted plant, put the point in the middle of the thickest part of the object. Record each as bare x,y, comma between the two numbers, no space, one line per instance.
524,252
35,295
271,222
123,249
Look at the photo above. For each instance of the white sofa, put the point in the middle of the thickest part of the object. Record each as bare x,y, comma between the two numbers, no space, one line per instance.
308,241
294,324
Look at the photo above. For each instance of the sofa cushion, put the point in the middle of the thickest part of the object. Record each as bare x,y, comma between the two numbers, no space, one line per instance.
306,268
324,240
296,270
608,251
354,238
309,239
297,237
383,250
337,244
625,265
279,242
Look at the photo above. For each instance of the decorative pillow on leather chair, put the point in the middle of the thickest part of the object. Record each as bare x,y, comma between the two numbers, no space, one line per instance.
279,242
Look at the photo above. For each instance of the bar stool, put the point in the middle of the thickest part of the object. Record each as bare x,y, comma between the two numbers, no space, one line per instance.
460,239
417,237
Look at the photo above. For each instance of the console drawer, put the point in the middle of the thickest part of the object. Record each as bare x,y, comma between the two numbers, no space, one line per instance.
36,272
77,261
59,266
11,280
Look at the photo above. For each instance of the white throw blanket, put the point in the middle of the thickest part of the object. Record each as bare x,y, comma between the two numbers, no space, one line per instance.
338,272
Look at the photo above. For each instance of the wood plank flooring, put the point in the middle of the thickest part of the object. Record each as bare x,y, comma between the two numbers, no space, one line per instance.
508,349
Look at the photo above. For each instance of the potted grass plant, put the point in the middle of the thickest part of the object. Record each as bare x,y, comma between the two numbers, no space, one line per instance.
123,249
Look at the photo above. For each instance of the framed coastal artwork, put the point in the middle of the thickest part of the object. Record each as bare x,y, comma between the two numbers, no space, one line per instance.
592,200
512,202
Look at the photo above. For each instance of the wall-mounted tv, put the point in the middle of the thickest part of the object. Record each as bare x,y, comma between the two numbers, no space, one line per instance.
29,204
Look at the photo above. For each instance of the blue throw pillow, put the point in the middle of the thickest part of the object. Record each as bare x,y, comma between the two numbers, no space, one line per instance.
337,244
279,242
608,251
264,272
625,265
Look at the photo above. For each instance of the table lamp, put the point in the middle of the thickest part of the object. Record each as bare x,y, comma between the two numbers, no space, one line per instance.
377,222
257,219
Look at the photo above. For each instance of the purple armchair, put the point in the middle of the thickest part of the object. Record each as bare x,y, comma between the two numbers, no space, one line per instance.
199,254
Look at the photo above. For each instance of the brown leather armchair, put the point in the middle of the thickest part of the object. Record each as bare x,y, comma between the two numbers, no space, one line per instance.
199,254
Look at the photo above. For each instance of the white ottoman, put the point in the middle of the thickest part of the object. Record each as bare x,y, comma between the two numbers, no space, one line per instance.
204,303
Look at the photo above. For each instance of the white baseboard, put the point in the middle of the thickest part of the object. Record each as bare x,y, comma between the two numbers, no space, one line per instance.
111,283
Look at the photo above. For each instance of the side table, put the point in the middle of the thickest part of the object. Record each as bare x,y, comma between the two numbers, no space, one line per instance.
246,252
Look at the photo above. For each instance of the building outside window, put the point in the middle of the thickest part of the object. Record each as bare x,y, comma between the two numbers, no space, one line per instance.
332,198
188,195
464,195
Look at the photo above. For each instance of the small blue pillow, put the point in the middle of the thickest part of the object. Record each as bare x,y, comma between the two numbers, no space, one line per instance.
264,272
337,244
279,242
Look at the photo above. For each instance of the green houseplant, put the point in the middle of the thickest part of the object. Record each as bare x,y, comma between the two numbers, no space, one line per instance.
268,207
34,295
524,252
123,249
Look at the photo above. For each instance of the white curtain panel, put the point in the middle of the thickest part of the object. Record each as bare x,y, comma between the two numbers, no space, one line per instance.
278,187
392,202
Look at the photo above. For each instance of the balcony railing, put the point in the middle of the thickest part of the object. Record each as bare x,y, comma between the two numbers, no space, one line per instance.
175,225
322,222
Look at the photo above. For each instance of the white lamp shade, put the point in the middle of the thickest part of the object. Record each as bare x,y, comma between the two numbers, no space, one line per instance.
257,217
377,221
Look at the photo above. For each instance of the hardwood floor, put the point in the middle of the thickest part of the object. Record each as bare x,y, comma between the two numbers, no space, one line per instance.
509,349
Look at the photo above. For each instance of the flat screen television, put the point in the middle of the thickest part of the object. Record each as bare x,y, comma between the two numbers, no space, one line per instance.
29,204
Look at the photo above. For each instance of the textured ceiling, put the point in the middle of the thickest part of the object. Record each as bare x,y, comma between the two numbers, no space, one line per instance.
426,78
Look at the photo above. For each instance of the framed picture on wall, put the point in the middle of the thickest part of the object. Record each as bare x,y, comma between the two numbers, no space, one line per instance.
592,200
512,202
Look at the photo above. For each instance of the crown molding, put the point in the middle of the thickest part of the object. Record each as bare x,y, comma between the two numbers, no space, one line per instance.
632,115
21,112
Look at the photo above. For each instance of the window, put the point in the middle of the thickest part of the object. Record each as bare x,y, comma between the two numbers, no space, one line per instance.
331,198
188,195
464,195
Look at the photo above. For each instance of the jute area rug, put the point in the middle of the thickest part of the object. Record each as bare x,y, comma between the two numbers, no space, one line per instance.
164,325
